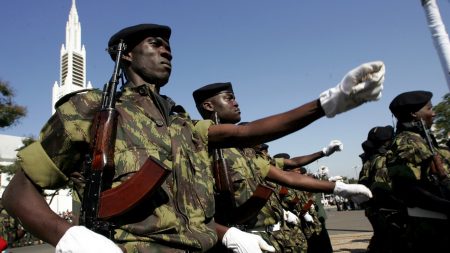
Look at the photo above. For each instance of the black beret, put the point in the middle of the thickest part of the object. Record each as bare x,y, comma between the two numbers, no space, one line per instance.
379,134
263,146
409,102
282,155
367,146
133,35
210,90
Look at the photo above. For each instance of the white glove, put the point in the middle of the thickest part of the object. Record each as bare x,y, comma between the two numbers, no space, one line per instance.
362,84
291,218
242,242
335,145
308,218
79,239
358,193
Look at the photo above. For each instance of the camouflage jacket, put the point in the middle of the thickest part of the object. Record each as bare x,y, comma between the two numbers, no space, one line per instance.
409,160
374,172
180,214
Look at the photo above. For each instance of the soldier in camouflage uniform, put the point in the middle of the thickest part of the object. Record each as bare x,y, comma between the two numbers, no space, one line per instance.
303,204
179,216
247,172
384,211
419,174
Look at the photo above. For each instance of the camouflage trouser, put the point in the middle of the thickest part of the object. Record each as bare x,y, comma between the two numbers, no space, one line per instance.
286,240
320,243
148,247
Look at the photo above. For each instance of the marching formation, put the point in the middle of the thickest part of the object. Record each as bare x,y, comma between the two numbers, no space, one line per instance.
150,178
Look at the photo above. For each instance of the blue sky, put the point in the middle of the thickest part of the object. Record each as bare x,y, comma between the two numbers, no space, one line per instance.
277,54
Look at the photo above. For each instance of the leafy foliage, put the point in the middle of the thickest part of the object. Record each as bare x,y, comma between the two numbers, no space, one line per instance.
442,119
10,112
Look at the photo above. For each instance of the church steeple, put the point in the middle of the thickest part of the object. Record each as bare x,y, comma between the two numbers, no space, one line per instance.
72,60
73,29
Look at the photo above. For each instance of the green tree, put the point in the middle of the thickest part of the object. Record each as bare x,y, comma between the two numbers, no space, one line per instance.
10,112
442,119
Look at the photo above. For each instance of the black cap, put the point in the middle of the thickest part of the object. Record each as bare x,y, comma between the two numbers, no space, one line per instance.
367,146
380,134
409,102
210,90
282,155
263,146
133,35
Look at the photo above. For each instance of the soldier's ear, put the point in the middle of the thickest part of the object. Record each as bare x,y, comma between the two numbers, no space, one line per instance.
127,56
208,106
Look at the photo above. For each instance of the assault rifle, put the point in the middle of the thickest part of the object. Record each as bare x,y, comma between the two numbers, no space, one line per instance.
437,167
226,211
440,177
100,202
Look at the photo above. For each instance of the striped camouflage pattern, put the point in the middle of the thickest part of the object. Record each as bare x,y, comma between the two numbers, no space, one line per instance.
180,214
374,172
294,202
243,165
286,240
409,157
289,238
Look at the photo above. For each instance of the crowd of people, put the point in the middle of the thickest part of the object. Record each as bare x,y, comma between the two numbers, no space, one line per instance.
219,189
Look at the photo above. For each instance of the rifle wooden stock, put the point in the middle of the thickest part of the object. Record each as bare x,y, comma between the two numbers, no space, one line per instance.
141,185
103,149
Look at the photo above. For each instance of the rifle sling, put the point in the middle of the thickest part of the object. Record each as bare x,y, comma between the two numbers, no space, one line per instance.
250,209
141,185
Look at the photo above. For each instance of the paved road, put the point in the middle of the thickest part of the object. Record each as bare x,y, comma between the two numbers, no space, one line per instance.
349,231
345,222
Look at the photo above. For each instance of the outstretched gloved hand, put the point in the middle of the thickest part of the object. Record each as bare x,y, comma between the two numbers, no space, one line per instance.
335,145
291,218
79,239
360,85
308,218
358,193
241,242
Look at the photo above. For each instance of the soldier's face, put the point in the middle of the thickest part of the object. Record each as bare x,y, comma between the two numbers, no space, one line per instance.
227,108
150,61
427,114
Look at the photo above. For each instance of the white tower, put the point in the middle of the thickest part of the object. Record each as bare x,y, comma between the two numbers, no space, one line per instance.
72,60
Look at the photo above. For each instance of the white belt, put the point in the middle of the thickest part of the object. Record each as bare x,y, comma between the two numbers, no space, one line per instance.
424,213
267,229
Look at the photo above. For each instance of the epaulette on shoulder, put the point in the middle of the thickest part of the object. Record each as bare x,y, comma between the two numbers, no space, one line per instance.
67,97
